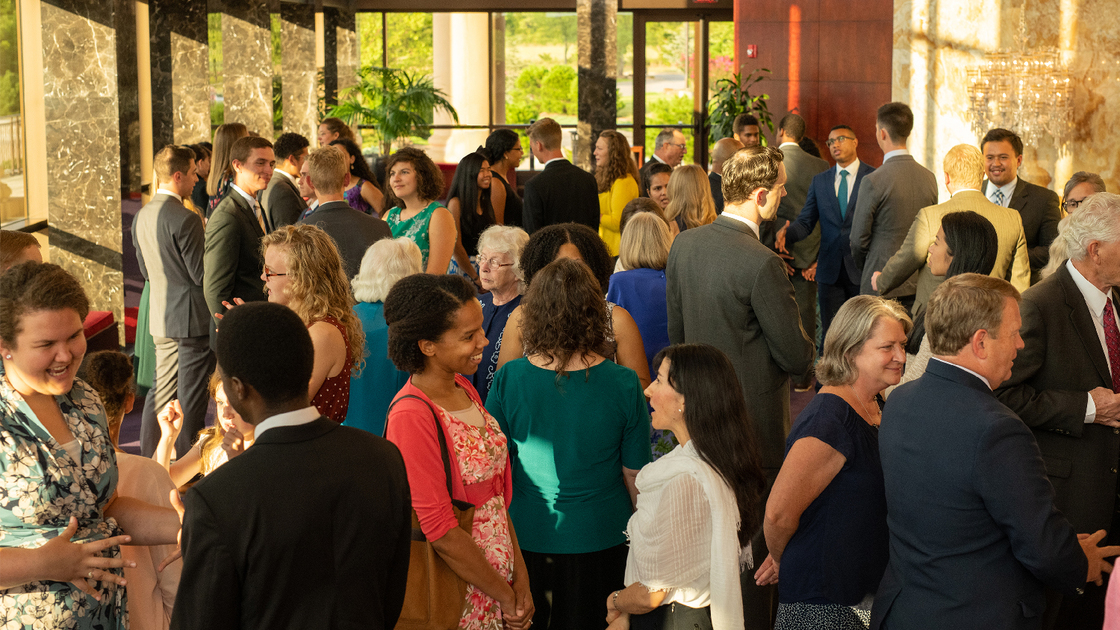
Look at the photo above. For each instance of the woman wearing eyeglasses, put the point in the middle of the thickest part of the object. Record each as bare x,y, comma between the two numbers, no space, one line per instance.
617,177
499,251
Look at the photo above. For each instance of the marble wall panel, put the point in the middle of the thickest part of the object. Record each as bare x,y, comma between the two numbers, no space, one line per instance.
247,65
83,141
128,95
935,43
346,33
180,82
297,61
596,44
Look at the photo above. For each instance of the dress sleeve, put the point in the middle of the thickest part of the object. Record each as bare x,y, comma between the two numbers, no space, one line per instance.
411,428
636,433
827,425
678,546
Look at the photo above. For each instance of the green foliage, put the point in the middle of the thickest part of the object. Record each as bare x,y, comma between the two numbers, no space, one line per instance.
543,28
9,59
396,102
410,42
540,89
369,38
277,106
217,113
732,98
669,111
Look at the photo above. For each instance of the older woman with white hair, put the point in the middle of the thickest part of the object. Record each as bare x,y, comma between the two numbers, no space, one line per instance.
499,252
371,392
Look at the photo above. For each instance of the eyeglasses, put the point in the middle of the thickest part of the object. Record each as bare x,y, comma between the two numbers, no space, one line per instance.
492,263
1072,204
268,274
838,140
682,147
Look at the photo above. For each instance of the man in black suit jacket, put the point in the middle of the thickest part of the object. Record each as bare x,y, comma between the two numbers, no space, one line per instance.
723,149
232,259
727,289
308,528
1065,383
353,231
169,241
1038,206
281,200
562,192
668,147
974,534
831,202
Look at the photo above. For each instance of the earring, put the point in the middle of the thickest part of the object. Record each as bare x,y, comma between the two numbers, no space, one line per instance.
8,357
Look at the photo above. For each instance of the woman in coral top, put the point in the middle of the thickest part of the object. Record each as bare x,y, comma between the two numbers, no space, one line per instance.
617,176
435,334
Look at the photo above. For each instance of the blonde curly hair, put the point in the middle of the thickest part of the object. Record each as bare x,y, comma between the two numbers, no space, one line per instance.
317,286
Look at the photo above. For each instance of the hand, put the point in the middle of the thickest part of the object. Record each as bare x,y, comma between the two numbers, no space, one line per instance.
767,573
1108,407
176,503
780,239
170,419
810,274
233,443
789,268
236,302
620,622
519,614
1096,555
81,564
875,280
612,612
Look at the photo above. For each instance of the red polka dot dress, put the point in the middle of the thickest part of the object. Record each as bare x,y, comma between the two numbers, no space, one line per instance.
333,398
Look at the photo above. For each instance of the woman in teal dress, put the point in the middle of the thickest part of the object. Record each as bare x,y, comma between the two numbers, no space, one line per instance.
61,522
415,183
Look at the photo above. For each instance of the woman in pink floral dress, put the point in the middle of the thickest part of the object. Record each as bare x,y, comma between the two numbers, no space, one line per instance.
435,334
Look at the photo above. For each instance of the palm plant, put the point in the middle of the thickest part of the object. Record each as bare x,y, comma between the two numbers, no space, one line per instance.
396,103
732,98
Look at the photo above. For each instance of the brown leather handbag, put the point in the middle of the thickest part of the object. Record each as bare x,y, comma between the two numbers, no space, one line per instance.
434,595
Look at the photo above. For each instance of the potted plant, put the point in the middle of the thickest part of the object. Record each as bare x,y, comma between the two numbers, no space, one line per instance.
396,103
732,98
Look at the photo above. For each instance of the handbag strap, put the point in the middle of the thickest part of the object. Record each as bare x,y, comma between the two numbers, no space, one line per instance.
439,433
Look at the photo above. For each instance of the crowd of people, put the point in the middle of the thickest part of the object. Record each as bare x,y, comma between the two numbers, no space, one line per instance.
579,396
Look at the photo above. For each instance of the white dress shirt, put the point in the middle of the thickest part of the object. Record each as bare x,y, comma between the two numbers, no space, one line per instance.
286,174
961,367
897,152
170,193
851,169
1096,300
252,204
751,224
1007,189
287,419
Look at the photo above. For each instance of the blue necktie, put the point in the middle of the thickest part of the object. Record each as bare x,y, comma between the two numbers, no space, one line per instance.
842,195
997,197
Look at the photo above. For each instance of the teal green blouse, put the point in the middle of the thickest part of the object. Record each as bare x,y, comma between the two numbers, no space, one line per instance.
414,229
568,444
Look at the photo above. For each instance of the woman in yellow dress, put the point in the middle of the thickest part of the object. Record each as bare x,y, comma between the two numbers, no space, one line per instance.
617,176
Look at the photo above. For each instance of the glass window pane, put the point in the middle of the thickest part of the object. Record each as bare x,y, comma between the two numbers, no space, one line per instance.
13,203
217,104
670,79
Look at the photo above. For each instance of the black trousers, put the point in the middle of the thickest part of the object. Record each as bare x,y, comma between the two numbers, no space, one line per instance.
673,617
580,584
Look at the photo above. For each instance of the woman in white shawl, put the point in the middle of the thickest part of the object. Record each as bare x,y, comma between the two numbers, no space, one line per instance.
697,506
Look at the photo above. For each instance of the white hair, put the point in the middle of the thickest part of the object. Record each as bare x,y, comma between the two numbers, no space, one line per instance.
508,240
384,263
1097,219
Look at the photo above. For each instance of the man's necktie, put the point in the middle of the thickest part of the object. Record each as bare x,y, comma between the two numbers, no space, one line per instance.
260,217
842,194
1112,340
997,197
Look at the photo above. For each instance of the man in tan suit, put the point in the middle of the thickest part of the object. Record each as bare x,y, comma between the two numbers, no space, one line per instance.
964,170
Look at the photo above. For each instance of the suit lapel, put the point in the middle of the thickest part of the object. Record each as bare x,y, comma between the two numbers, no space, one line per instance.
1019,197
247,212
1082,322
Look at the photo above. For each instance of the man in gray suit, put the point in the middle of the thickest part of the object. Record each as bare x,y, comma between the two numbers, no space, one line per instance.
889,199
282,203
352,230
727,289
801,168
169,241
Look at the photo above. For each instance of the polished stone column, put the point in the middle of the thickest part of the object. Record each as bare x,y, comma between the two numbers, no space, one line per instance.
128,96
597,25
179,67
247,64
81,112
341,51
297,63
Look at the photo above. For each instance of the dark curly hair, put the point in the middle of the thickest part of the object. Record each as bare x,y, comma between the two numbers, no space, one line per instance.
429,179
33,286
719,424
110,373
422,307
545,243
564,315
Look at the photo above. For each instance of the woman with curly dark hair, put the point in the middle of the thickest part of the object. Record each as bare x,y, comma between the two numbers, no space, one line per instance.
578,429
578,242
363,194
415,184
435,334
617,177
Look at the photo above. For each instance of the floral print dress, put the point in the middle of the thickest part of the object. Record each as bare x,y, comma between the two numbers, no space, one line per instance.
481,452
414,229
41,487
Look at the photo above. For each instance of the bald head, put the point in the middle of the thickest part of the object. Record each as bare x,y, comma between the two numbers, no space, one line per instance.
722,150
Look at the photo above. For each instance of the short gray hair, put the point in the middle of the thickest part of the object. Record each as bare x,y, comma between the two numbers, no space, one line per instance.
384,263
850,329
508,240
1084,177
665,136
1097,219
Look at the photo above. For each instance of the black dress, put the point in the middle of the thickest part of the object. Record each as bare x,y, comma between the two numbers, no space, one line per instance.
513,204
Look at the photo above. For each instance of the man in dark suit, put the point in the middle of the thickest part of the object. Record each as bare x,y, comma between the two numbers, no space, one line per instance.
747,130
233,234
723,149
889,199
1038,206
281,200
309,528
974,534
801,168
1066,383
562,192
169,241
352,230
831,203
668,147
725,288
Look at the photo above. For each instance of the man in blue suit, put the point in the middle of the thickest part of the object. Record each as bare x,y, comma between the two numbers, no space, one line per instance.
831,202
974,534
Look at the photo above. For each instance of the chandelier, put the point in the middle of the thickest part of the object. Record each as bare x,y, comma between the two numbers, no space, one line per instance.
1025,90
